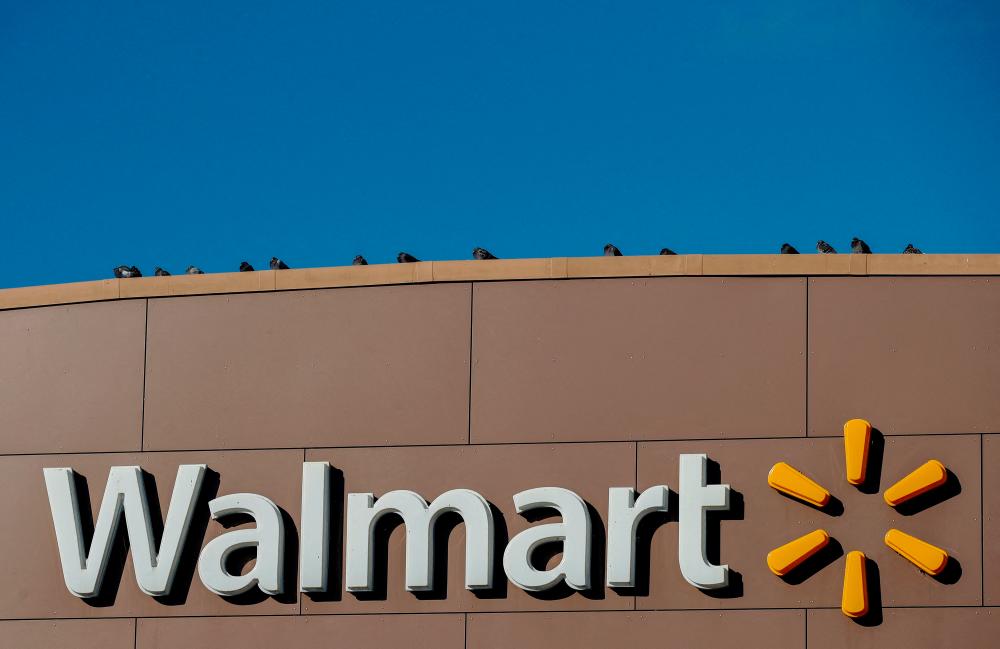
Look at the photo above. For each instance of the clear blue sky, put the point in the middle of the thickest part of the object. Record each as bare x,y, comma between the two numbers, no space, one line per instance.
169,133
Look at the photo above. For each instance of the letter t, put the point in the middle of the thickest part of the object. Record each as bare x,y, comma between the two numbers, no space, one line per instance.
695,499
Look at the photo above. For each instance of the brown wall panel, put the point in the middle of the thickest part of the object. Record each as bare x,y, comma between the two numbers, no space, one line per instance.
71,378
770,520
908,628
916,355
658,358
28,543
332,631
638,630
497,472
991,519
374,366
67,634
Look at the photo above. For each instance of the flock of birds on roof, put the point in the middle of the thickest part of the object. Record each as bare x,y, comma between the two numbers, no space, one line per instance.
610,250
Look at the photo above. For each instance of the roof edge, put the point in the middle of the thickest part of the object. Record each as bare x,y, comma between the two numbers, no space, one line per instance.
500,270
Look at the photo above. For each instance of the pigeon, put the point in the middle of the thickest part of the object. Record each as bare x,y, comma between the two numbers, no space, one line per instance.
194,270
667,251
611,251
277,264
482,253
788,249
245,267
359,261
406,258
825,248
125,272
859,247
159,272
910,250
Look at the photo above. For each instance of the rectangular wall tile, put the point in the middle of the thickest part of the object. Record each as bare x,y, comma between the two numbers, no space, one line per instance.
915,354
67,634
656,358
336,367
71,378
328,631
907,628
764,519
991,519
497,472
638,630
28,543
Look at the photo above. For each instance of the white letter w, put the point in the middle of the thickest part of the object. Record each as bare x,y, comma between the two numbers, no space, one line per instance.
125,491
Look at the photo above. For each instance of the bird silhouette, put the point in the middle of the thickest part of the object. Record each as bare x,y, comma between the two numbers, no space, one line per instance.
194,270
482,253
859,247
610,250
911,250
405,258
788,249
126,272
667,251
277,264
825,248
359,261
159,272
245,267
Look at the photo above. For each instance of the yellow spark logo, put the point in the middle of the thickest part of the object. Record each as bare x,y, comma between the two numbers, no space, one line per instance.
792,482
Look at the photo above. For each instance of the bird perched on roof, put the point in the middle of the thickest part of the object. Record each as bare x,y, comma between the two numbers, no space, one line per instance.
911,250
194,270
359,261
159,272
126,272
405,258
859,247
611,250
482,253
788,249
245,267
667,251
825,248
277,264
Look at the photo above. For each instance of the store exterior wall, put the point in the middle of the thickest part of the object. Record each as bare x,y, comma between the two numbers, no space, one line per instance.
499,386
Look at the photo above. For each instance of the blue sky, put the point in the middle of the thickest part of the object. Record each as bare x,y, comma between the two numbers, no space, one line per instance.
169,133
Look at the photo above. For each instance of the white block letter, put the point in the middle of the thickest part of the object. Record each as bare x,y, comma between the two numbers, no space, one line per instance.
363,512
314,544
154,571
268,538
624,514
573,532
696,497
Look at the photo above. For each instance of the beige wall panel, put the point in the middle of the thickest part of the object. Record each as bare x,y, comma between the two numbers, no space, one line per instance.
328,631
67,634
497,472
371,366
655,358
639,630
28,543
770,519
908,628
917,355
71,378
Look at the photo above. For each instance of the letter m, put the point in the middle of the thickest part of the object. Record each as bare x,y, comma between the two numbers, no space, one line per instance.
363,512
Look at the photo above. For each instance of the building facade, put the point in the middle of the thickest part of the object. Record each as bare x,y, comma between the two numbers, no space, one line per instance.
501,377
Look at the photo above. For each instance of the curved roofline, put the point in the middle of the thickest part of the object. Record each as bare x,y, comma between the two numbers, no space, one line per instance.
500,270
